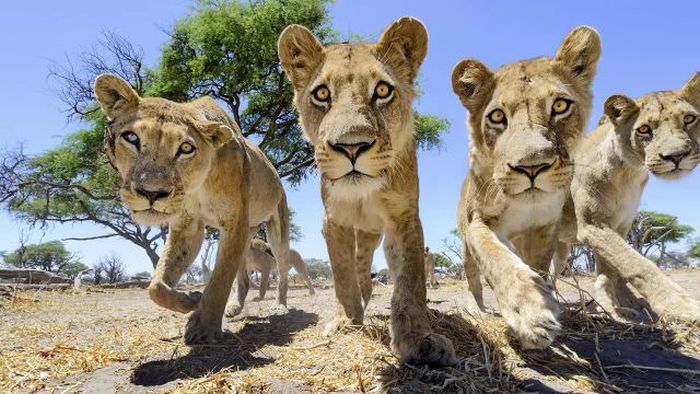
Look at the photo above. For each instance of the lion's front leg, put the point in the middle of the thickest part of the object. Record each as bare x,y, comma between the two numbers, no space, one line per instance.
180,250
341,250
475,291
665,297
204,325
411,336
366,244
526,301
242,287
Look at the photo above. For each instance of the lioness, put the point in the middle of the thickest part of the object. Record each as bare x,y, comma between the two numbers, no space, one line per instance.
259,257
525,120
657,133
188,165
354,102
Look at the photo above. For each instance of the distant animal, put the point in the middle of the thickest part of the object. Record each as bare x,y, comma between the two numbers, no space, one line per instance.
259,257
430,268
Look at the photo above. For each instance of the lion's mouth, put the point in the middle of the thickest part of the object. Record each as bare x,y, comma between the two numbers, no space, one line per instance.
353,175
151,211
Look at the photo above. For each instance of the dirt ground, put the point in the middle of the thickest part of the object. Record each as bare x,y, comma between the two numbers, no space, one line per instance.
119,341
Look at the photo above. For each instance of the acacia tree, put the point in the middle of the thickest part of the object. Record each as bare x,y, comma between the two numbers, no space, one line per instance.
225,49
651,233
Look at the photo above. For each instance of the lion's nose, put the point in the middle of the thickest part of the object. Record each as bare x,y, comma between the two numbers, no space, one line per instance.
352,151
531,171
675,158
152,195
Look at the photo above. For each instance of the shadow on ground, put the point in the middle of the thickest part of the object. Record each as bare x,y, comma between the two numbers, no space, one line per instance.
593,353
239,350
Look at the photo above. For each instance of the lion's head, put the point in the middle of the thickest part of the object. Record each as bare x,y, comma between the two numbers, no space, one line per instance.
527,117
162,150
354,100
661,129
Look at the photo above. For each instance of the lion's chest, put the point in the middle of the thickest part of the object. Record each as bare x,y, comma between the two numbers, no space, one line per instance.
522,216
365,214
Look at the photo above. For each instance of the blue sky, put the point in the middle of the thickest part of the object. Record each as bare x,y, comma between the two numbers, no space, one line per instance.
647,46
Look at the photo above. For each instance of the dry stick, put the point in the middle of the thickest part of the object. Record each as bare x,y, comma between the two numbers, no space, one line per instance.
602,368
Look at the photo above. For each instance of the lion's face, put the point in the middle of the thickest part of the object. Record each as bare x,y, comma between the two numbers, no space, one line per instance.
355,100
660,129
161,150
527,117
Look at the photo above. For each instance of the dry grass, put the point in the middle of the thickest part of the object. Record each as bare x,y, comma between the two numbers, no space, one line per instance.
55,340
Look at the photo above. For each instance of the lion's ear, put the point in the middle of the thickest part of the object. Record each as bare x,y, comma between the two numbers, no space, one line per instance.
620,109
218,134
690,92
404,45
579,53
300,53
473,83
114,94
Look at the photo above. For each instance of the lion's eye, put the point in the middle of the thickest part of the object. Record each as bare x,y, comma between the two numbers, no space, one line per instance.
186,148
383,90
560,106
497,116
130,137
644,130
322,93
688,119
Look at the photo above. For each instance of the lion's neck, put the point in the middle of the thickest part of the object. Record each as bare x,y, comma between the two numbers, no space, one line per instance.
618,160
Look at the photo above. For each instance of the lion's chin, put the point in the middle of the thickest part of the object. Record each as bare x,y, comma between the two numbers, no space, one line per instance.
672,175
150,217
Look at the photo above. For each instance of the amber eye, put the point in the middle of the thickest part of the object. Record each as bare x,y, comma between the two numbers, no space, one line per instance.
644,130
322,93
560,106
130,137
497,116
383,90
688,119
186,148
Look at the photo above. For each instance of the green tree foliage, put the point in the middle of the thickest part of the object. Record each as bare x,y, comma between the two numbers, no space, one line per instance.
49,256
318,269
694,250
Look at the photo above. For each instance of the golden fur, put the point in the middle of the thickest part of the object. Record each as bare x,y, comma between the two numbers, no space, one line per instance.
187,166
612,168
259,257
355,106
525,120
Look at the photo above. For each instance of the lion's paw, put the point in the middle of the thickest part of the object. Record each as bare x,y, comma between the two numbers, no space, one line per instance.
278,308
338,324
201,331
532,312
473,307
234,310
430,349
